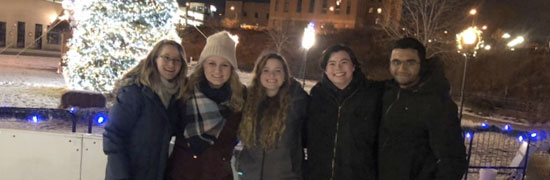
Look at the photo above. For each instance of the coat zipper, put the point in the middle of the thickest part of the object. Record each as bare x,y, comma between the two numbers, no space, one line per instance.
388,110
336,135
396,99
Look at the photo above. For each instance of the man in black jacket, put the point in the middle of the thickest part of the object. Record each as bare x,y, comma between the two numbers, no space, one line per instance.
420,135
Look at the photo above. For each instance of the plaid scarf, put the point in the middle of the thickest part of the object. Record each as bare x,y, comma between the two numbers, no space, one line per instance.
205,119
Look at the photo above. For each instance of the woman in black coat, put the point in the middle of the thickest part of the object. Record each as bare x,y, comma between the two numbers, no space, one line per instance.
343,119
272,122
142,120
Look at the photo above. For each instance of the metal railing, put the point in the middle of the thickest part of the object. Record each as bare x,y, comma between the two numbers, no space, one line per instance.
88,117
504,150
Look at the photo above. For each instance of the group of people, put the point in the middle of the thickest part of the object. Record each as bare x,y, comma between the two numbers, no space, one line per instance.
346,128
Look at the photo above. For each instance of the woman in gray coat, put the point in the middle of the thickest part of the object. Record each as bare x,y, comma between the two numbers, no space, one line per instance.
272,121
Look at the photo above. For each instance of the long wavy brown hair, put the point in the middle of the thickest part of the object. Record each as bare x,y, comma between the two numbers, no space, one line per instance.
147,74
275,113
236,102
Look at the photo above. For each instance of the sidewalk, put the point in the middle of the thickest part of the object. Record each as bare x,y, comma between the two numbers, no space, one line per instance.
31,62
31,52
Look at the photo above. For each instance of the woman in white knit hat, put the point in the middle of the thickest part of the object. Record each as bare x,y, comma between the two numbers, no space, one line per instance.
212,105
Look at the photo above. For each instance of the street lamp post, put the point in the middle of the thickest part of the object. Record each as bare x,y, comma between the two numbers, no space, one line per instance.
307,41
468,42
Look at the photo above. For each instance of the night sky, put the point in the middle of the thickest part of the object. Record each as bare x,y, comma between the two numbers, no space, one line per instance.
531,17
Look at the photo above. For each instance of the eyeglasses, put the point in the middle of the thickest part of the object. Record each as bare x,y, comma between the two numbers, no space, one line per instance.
408,63
168,59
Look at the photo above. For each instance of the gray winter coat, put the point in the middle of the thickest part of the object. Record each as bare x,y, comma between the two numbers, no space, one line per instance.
137,135
285,161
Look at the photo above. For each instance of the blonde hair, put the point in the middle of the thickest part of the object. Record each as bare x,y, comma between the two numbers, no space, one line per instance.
147,74
236,102
275,114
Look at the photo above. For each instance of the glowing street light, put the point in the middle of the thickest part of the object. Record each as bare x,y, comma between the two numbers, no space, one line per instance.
484,27
473,12
468,43
213,8
309,36
468,40
307,42
506,36
516,41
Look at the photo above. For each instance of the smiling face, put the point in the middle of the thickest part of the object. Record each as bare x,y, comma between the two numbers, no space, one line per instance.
272,76
217,71
169,62
405,67
339,69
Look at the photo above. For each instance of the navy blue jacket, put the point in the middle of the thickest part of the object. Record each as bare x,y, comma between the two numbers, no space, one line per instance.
137,135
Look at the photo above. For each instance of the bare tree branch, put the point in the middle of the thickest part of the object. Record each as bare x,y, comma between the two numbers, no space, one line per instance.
279,38
426,20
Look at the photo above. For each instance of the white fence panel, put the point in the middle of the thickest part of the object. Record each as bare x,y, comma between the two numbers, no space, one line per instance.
30,155
94,160
38,155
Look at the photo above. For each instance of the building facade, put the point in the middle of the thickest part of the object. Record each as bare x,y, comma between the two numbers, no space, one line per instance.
248,13
27,24
335,14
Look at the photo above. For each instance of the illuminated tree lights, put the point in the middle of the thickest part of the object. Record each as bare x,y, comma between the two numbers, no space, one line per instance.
110,37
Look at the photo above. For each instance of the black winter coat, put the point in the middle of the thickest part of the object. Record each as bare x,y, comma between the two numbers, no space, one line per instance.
341,130
137,135
420,135
285,161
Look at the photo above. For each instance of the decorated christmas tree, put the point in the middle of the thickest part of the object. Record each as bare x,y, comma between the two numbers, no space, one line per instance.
110,37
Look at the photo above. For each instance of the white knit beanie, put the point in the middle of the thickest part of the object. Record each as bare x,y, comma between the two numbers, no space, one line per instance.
220,44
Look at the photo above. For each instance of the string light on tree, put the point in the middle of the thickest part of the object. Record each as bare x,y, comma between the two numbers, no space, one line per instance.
110,37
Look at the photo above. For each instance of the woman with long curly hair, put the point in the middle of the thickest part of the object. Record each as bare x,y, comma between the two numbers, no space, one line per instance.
272,122
211,113
143,118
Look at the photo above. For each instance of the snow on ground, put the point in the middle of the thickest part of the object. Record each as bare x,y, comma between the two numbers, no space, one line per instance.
490,149
32,82
29,82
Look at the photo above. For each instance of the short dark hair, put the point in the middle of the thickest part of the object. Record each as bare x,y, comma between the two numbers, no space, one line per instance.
339,47
411,43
